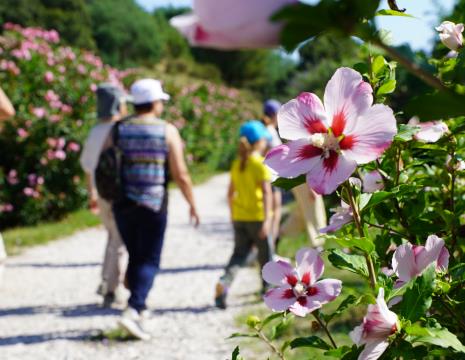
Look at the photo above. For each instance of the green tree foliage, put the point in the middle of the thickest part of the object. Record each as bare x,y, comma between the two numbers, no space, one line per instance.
124,33
69,17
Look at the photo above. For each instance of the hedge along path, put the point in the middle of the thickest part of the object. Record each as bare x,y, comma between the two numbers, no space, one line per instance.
48,305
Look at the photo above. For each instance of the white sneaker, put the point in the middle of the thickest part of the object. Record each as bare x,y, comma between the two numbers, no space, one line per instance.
131,322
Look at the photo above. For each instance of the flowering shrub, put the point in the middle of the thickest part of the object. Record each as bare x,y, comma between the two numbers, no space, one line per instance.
400,227
51,87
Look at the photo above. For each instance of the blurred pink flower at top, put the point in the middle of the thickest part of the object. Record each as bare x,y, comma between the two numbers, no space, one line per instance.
410,261
50,96
75,147
55,118
61,142
32,179
28,191
62,69
52,142
93,87
81,69
39,112
6,208
52,36
56,104
79,123
11,26
378,324
23,54
328,141
12,177
430,131
372,181
298,289
451,34
50,60
66,109
10,66
22,133
49,77
40,180
231,24
342,215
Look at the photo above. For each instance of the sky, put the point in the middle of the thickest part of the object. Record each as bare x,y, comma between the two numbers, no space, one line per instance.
418,32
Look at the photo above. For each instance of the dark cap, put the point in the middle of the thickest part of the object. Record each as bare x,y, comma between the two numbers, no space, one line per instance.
271,107
109,98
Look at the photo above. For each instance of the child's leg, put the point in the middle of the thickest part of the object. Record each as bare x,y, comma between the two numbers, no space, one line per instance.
242,246
263,246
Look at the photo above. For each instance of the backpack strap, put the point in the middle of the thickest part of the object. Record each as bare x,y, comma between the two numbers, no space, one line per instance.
115,130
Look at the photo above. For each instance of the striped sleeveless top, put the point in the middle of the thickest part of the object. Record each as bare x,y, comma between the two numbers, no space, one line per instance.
142,140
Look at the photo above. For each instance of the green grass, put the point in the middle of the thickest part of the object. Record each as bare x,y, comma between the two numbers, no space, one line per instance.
22,237
302,327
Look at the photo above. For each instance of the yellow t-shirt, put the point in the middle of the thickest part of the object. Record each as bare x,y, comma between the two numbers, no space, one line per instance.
247,204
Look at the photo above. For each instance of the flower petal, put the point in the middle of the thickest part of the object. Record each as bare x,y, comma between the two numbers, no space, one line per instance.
389,317
293,158
431,252
337,221
346,97
280,299
327,175
303,309
302,116
327,290
403,262
371,134
373,350
357,335
443,261
309,263
277,272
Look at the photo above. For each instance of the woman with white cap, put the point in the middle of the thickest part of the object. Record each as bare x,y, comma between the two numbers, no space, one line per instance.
152,152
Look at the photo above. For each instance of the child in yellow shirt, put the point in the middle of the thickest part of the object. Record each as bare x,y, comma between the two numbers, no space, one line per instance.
250,201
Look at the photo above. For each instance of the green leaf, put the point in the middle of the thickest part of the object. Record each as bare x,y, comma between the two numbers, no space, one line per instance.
347,303
339,352
270,318
377,198
311,341
389,12
236,355
406,132
439,105
417,299
239,335
436,336
350,262
288,184
348,241
387,88
378,64
364,200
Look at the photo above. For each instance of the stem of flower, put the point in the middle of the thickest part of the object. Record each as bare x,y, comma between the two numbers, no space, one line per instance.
316,314
387,229
452,199
358,224
262,336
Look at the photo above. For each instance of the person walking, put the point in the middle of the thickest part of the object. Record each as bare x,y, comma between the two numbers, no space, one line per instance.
6,111
250,202
111,107
152,153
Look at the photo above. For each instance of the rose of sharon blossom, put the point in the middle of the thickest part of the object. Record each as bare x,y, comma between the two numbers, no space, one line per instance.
75,147
327,142
342,215
372,181
298,289
231,24
49,77
410,260
451,34
378,324
430,131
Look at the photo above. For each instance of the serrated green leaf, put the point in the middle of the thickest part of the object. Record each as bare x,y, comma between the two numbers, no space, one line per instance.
387,88
377,198
288,184
389,12
311,341
439,337
350,262
348,241
406,132
417,299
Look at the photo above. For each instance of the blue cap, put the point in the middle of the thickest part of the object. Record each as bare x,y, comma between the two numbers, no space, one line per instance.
271,107
254,131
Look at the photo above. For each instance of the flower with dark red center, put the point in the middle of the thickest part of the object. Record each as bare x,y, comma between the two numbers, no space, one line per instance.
327,142
298,289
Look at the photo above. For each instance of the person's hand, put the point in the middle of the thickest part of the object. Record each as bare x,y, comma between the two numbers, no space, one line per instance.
194,216
93,206
265,230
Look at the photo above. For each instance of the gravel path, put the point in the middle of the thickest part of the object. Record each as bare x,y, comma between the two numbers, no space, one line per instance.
49,309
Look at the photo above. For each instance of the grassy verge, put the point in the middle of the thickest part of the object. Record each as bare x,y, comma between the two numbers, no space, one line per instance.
19,238
302,327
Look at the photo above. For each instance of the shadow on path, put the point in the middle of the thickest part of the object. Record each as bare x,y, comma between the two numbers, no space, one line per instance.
65,311
52,265
73,335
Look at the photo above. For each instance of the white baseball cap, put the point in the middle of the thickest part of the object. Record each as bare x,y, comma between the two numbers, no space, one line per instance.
146,91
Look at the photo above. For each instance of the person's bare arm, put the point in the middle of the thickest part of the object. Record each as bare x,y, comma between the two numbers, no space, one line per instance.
6,108
179,169
277,211
267,205
92,194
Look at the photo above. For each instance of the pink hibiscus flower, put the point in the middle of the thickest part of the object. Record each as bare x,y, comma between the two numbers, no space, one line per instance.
342,215
298,289
372,181
327,142
410,260
378,324
430,131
